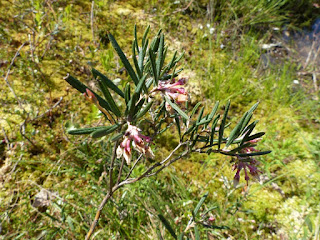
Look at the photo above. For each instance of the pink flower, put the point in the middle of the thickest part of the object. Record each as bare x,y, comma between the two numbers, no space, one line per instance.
173,90
249,164
133,135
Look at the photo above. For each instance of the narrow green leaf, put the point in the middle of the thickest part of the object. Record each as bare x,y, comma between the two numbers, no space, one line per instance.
254,136
197,208
169,76
109,98
134,57
190,129
248,130
145,34
139,104
177,121
223,123
144,110
107,81
175,107
164,55
204,121
173,73
213,128
172,62
214,110
179,58
82,131
196,233
142,55
160,55
154,68
249,116
116,137
141,84
132,105
104,132
82,88
195,109
155,43
123,59
135,38
245,123
236,131
240,148
127,96
167,226
200,115
254,154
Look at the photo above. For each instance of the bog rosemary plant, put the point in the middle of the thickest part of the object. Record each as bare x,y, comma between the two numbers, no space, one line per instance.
156,97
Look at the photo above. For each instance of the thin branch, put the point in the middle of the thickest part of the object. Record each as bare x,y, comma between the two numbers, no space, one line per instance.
8,72
112,189
91,18
120,171
134,165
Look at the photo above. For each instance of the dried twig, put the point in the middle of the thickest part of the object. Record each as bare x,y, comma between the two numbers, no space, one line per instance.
8,72
91,19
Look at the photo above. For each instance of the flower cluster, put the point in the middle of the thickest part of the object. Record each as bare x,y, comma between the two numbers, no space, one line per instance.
173,90
133,135
246,163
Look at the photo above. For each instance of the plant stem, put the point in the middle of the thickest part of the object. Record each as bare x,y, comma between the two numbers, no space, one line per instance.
112,189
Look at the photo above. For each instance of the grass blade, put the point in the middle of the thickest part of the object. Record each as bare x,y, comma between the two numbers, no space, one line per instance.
167,226
197,208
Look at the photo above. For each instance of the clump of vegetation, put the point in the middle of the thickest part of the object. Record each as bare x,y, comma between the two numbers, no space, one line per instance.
197,132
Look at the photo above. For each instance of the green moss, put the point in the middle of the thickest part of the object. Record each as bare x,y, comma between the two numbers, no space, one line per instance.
263,203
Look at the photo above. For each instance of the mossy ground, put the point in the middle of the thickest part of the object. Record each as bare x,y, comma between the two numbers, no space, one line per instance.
222,44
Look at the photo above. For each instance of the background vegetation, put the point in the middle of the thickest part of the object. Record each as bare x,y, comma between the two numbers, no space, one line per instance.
51,183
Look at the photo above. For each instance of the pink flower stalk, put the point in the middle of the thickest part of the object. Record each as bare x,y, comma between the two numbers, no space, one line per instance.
133,135
173,90
93,99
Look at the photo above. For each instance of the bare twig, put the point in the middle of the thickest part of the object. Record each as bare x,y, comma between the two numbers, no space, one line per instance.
135,163
91,18
315,84
50,109
8,72
112,189
181,9
120,171
6,137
